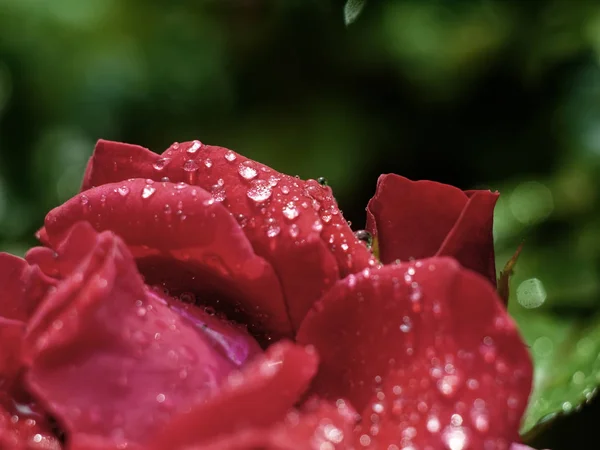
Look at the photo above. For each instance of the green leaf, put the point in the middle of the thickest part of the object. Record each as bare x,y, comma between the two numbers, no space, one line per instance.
352,10
566,355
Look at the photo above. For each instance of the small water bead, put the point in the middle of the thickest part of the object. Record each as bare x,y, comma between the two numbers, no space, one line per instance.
406,325
123,191
84,200
161,163
194,147
148,191
433,424
366,237
246,171
160,398
285,189
259,191
448,385
455,438
317,226
208,163
230,156
187,297
322,181
190,166
294,230
290,211
273,230
273,180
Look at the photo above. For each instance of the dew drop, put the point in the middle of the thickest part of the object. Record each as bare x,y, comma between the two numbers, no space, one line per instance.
433,424
190,166
259,191
322,181
247,172
208,163
317,226
294,230
273,231
285,190
187,297
406,325
161,163
366,237
194,147
230,156
448,385
290,211
455,438
123,191
84,200
148,191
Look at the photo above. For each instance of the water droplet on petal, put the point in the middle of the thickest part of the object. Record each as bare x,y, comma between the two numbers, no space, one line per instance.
123,191
208,163
366,237
246,171
273,231
294,230
259,191
194,147
317,226
85,200
148,191
455,438
161,163
322,181
230,156
406,325
190,166
290,211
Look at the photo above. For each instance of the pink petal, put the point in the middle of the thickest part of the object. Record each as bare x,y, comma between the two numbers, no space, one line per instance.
23,287
184,240
25,433
416,344
110,359
295,225
419,219
321,426
258,396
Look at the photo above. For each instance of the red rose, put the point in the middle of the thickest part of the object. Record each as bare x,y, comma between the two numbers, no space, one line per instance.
200,300
419,219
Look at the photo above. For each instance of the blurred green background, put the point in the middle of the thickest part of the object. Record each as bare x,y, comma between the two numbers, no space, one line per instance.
493,94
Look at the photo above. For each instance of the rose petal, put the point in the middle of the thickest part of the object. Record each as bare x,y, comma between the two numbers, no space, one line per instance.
295,225
471,241
258,396
109,358
419,219
23,286
184,239
22,433
323,426
414,342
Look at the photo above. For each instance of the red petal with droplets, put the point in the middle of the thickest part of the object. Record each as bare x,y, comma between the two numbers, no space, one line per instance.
23,424
25,433
319,426
184,239
258,396
295,225
23,286
111,359
420,219
416,344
